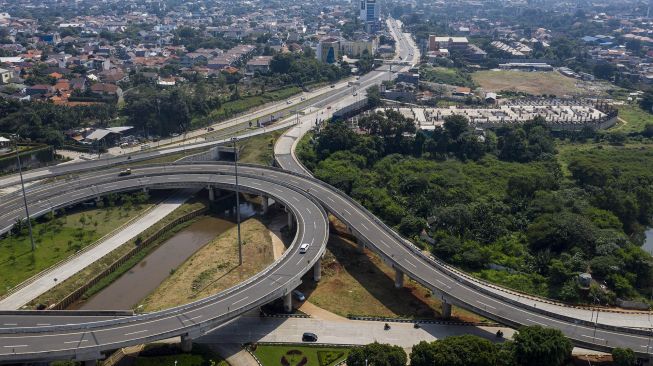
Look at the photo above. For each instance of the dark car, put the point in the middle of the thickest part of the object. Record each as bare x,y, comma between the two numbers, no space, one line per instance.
309,337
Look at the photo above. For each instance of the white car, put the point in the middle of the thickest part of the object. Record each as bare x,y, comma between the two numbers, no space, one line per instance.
304,248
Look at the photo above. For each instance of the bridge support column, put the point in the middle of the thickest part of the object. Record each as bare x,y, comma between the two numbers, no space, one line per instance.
90,363
265,204
287,302
211,193
317,271
186,343
399,278
291,220
446,310
144,189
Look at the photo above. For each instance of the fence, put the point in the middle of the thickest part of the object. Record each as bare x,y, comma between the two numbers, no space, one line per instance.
77,294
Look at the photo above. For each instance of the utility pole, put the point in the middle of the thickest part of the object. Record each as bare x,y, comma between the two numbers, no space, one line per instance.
22,184
240,246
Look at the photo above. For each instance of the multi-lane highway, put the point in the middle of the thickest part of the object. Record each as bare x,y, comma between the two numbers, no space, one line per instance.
301,194
42,337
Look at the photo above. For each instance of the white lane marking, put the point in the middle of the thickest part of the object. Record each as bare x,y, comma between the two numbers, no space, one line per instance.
598,339
536,322
18,345
443,284
11,324
241,300
486,305
347,211
309,211
298,262
331,199
295,198
195,317
83,340
136,332
42,324
409,262
366,228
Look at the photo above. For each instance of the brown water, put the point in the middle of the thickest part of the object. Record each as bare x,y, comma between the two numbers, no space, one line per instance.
149,273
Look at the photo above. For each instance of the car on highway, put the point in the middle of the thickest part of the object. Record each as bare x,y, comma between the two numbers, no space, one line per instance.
333,86
309,337
298,295
124,172
289,102
304,248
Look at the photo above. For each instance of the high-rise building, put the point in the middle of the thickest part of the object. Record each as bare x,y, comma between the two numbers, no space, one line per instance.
369,14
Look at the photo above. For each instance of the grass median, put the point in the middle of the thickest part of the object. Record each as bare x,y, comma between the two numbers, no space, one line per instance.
58,237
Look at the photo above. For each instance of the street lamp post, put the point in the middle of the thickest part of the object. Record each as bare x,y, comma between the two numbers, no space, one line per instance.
22,184
240,247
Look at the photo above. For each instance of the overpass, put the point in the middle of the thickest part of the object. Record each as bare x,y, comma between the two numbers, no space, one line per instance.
83,337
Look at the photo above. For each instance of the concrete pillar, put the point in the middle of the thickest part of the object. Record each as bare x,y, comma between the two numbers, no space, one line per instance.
287,303
186,343
144,189
317,271
291,220
446,310
399,278
265,204
211,193
361,245
90,363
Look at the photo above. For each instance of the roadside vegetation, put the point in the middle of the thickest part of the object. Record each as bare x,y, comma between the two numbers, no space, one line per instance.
502,207
82,277
259,149
170,354
58,236
215,267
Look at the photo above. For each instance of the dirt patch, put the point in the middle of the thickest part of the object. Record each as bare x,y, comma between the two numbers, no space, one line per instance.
355,283
215,267
535,83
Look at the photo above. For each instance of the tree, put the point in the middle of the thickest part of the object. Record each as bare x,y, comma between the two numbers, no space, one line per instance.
647,101
466,350
538,346
456,125
623,357
377,354
373,96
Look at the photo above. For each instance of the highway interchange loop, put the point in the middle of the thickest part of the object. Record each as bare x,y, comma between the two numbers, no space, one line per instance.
37,336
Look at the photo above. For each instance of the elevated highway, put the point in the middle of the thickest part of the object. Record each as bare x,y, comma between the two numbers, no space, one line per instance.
37,337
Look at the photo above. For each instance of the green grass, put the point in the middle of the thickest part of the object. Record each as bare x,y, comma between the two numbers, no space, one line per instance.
259,149
270,355
444,75
64,288
231,108
56,240
635,118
